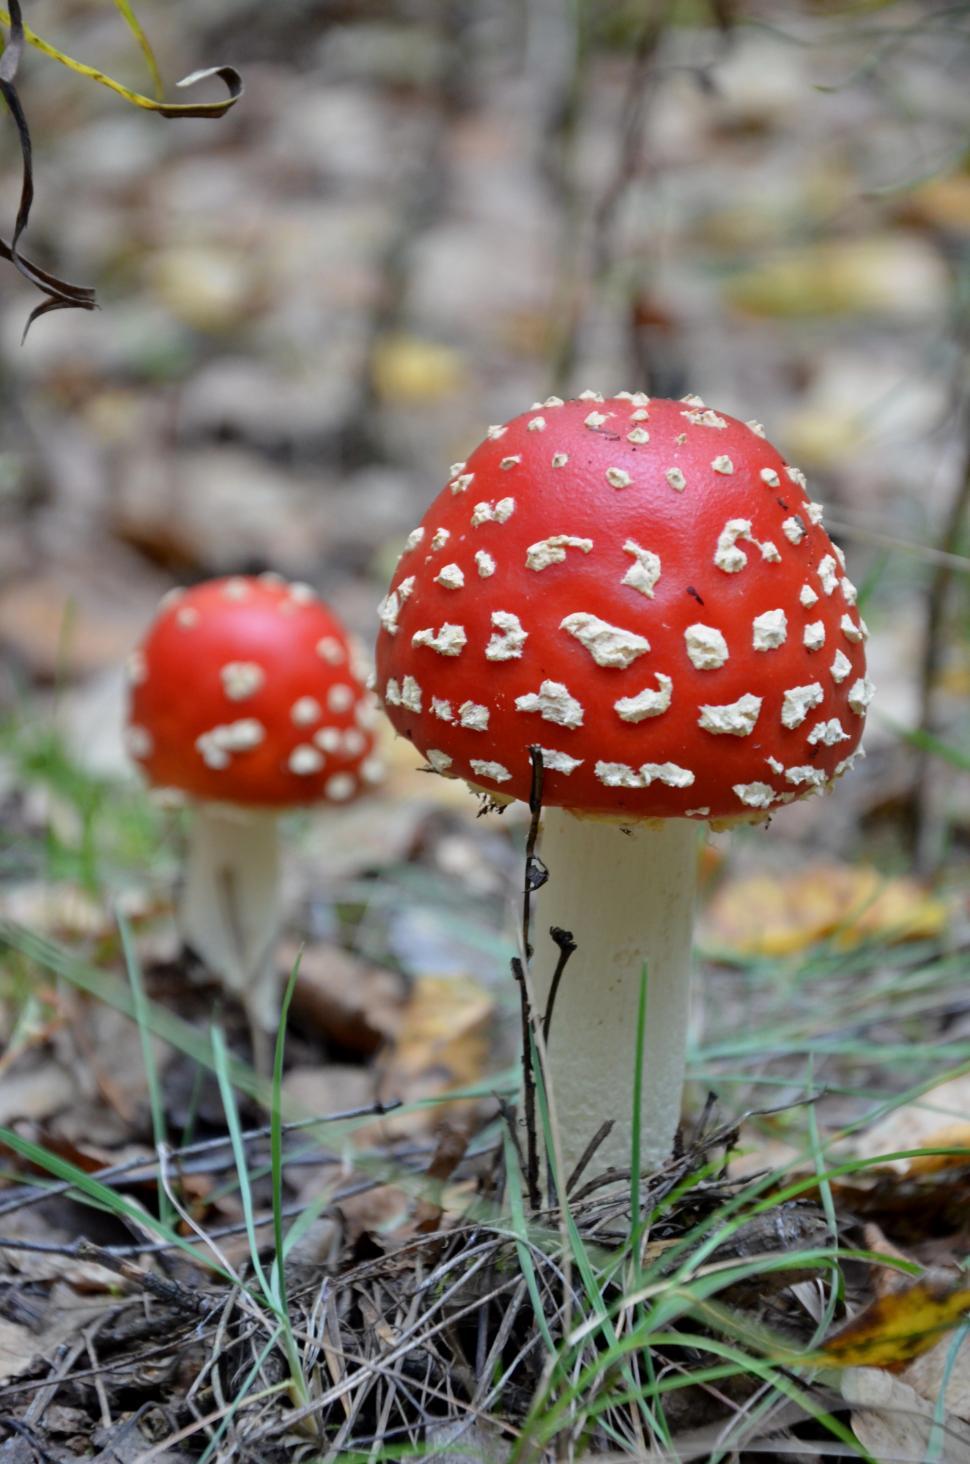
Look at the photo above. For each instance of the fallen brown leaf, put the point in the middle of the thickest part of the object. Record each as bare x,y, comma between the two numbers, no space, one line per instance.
442,1044
347,1001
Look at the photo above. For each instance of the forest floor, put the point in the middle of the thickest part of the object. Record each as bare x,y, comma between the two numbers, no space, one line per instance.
411,225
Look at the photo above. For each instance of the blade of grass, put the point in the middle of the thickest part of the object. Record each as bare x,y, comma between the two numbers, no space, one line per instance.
144,44
155,1100
104,1198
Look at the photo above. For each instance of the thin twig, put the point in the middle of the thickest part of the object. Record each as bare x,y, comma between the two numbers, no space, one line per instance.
564,940
536,875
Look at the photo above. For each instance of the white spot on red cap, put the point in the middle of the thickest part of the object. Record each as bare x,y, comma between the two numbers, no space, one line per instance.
450,576
508,637
705,418
707,649
734,719
392,692
727,555
555,761
805,774
621,775
536,424
440,538
849,591
474,716
850,630
813,636
827,574
793,529
235,589
440,761
305,760
136,668
305,711
807,597
553,550
756,427
646,703
828,733
860,695
341,787
841,666
413,539
329,649
450,640
493,771
638,436
796,475
554,703
241,679
462,483
798,701
187,617
484,563
644,573
769,631
489,513
722,464
560,459
442,709
595,420
618,478
410,694
755,795
496,431
814,512
609,645
676,479
770,477
508,463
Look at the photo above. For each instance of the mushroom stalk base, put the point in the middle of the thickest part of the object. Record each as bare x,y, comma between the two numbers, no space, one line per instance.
628,899
229,910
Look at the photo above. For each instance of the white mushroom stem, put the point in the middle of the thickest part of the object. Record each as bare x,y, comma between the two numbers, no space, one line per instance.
628,899
229,911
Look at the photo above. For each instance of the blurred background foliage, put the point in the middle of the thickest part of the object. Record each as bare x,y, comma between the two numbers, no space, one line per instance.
424,214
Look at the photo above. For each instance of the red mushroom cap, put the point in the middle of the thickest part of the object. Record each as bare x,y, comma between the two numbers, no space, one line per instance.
243,692
643,590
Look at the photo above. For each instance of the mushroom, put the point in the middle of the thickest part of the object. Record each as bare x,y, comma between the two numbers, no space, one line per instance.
243,696
643,590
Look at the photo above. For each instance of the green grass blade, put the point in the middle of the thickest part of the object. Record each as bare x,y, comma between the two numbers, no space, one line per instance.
141,1013
144,44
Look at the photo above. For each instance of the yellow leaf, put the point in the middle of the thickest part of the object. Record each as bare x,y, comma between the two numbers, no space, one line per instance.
408,370
769,915
442,1043
898,1327
880,275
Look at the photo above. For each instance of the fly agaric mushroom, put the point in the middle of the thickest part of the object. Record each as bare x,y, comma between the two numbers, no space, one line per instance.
643,590
242,695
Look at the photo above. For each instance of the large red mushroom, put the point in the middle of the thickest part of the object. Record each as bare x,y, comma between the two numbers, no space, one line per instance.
643,590
243,695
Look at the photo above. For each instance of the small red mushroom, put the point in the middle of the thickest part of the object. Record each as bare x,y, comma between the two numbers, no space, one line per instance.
643,590
243,695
